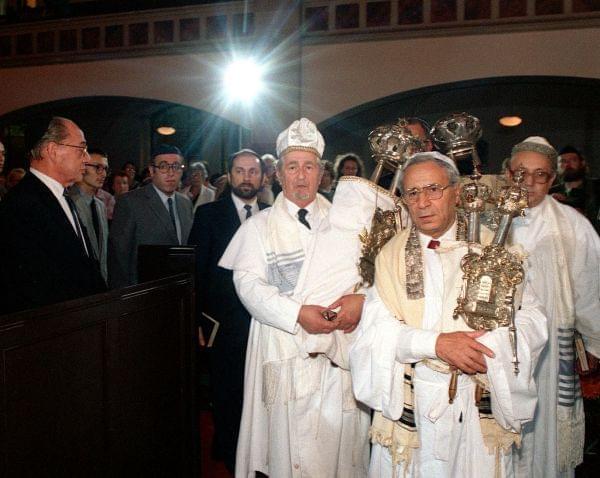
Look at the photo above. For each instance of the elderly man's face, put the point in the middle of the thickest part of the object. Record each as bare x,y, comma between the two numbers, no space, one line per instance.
70,156
432,217
538,174
300,175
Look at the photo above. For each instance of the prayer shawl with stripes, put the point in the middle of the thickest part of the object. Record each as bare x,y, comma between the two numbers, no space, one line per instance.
391,280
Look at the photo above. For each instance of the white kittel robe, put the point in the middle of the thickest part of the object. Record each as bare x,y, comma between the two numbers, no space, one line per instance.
299,416
451,442
559,239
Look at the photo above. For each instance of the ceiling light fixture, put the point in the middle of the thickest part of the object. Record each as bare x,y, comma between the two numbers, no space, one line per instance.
166,130
510,121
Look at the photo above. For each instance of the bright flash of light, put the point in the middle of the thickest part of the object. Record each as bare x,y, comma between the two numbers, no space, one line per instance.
243,80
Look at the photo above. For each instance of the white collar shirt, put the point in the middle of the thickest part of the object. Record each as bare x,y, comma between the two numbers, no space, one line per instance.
57,190
240,207
433,279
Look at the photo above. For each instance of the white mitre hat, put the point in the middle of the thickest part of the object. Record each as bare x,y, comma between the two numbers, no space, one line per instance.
302,135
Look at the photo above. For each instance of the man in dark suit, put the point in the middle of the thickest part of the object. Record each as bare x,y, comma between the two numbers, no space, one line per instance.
154,214
90,208
44,256
214,225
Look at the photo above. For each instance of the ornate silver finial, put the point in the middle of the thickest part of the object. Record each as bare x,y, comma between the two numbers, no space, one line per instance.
391,145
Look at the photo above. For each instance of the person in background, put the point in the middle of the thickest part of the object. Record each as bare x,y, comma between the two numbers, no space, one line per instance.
326,187
197,191
90,208
153,214
132,175
348,164
215,223
563,257
14,177
44,251
270,188
575,188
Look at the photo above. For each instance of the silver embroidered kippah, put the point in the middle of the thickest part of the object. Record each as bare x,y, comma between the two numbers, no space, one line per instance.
536,144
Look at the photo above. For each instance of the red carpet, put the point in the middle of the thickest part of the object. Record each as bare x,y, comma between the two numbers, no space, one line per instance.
210,468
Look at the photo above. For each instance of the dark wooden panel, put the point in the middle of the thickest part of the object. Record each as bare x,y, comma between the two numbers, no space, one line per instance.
101,386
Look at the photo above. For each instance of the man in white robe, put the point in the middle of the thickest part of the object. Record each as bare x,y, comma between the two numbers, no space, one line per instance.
408,340
564,264
299,416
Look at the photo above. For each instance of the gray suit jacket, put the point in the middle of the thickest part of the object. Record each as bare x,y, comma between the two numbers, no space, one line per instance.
139,218
99,248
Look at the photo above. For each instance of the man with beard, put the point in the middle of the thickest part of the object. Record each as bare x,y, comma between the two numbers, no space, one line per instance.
214,225
574,188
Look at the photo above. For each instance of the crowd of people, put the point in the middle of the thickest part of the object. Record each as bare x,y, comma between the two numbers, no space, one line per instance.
314,372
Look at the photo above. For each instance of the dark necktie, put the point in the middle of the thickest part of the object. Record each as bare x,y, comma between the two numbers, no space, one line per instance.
95,220
172,214
248,209
76,221
433,244
302,217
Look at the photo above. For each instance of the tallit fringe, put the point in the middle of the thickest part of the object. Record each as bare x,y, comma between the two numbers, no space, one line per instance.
571,431
290,380
400,453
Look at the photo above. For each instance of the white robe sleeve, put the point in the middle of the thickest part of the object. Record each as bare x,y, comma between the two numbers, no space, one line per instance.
245,255
514,397
586,284
377,357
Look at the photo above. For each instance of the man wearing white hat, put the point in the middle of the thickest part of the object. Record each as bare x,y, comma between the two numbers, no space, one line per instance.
408,344
564,263
299,416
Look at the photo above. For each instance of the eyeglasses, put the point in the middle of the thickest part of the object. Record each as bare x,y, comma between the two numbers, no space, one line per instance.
164,167
99,168
431,191
82,149
539,175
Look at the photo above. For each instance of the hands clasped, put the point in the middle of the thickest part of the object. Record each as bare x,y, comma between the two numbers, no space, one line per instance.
348,316
461,350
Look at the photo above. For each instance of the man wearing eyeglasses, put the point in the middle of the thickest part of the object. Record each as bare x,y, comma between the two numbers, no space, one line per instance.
44,251
564,263
409,344
91,209
155,214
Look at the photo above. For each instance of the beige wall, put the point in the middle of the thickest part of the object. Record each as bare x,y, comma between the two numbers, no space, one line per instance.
334,76
339,76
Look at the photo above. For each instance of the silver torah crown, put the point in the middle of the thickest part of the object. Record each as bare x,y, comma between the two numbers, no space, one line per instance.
391,146
457,134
